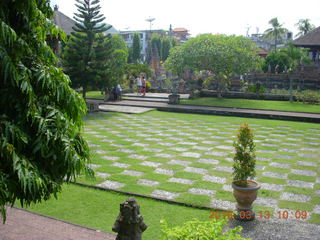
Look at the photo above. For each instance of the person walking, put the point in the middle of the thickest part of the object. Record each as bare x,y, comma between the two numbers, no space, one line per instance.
119,91
139,85
143,86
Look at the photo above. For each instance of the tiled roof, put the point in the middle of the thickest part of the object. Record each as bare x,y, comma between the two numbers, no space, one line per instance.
63,21
310,39
180,30
66,23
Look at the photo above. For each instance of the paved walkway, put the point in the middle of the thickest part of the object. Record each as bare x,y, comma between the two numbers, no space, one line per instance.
239,112
25,225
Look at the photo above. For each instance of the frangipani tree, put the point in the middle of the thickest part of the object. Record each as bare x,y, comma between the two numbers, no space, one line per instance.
222,55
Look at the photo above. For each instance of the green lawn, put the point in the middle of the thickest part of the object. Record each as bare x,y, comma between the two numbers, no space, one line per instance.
255,104
95,94
165,148
98,209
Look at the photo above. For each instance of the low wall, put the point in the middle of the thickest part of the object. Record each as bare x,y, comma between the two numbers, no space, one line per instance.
231,94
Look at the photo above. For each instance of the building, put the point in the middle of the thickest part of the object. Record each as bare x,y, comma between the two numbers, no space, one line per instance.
311,41
181,34
145,36
268,44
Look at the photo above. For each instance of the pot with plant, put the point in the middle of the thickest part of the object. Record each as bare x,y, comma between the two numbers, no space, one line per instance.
244,190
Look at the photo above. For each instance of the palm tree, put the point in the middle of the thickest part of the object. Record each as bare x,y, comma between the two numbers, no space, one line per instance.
275,32
304,26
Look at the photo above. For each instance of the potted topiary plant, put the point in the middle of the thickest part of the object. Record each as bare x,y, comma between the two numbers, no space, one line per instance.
244,190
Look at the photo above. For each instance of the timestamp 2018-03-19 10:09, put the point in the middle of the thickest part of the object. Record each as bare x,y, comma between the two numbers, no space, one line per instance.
281,214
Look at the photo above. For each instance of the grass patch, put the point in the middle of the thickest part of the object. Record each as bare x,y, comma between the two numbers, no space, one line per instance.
295,205
301,178
315,218
272,180
188,175
207,185
278,170
297,190
94,94
134,188
225,195
99,209
123,178
269,194
255,104
156,177
173,187
199,200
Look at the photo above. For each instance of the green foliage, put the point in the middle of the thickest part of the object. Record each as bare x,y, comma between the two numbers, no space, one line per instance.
304,26
136,48
244,159
88,49
276,58
161,45
219,54
116,64
135,69
256,88
276,32
40,115
287,59
200,230
309,97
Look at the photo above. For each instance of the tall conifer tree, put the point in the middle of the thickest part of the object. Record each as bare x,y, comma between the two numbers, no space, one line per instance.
88,49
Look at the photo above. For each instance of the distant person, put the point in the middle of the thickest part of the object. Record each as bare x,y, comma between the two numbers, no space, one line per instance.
119,92
139,85
114,92
143,86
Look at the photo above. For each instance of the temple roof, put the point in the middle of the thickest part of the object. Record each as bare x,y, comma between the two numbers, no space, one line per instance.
66,23
312,38
63,22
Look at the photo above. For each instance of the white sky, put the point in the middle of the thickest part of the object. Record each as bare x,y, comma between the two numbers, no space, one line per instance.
203,16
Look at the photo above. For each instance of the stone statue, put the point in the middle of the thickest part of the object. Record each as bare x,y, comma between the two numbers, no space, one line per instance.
129,224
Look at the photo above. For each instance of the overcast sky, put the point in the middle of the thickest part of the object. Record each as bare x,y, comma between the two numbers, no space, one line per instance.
203,16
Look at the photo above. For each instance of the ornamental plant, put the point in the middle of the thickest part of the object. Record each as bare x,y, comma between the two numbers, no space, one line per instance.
244,158
195,229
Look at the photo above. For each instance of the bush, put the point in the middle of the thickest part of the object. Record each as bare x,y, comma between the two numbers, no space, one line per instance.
200,230
309,97
256,88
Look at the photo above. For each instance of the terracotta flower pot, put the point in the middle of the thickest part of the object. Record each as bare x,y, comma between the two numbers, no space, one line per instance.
245,197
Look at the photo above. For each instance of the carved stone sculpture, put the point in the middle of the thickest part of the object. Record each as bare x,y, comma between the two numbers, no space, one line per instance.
129,224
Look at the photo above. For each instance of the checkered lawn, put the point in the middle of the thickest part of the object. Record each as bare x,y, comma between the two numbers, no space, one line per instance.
188,158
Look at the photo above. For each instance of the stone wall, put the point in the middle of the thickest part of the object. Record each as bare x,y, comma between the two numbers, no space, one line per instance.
282,81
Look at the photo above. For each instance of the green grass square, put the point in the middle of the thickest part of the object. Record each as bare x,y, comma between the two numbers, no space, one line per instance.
139,189
269,194
315,218
123,178
188,175
297,190
301,178
225,195
173,187
198,200
272,180
295,205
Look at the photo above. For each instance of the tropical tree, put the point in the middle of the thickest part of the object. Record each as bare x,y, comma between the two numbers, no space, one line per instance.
220,55
276,32
115,66
304,26
136,48
86,48
40,115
